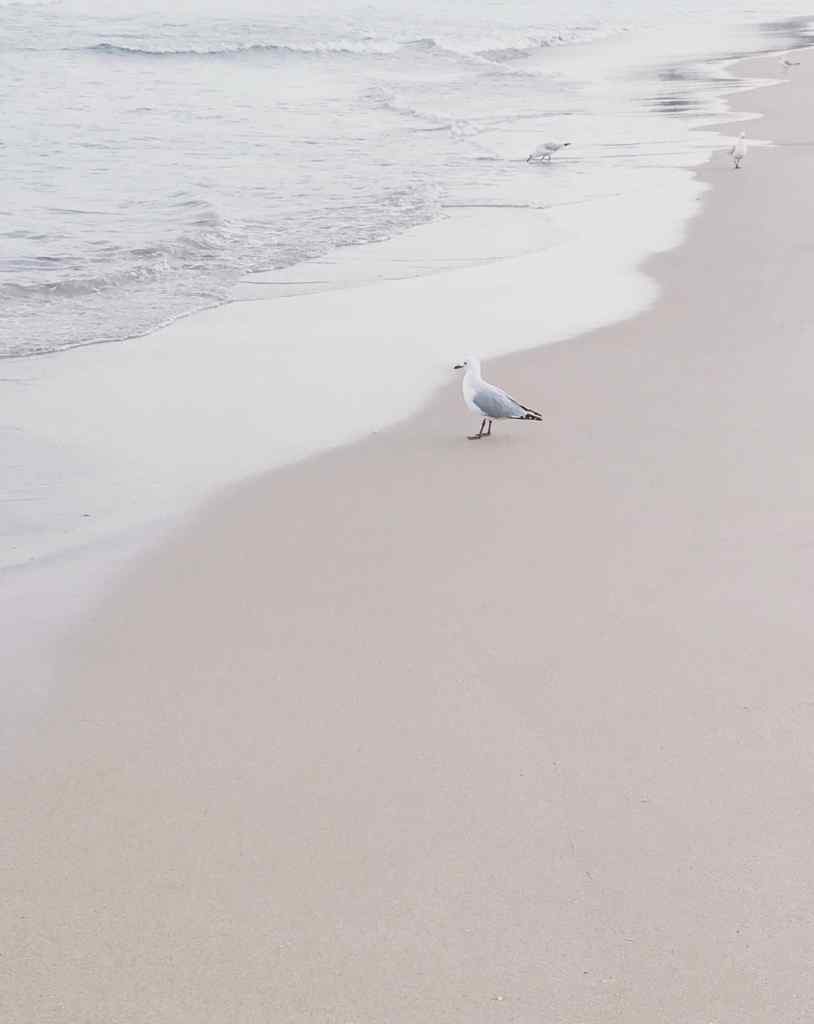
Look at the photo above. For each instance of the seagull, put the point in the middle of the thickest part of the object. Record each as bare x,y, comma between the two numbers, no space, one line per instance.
544,151
789,63
488,401
738,151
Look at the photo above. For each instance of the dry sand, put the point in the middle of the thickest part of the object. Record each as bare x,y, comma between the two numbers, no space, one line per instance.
430,731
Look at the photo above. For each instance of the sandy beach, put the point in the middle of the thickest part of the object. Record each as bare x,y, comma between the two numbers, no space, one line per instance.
423,731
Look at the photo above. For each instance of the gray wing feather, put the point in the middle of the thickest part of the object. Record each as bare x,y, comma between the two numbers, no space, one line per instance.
497,405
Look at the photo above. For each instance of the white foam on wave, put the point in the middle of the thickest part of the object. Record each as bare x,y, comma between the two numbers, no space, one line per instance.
489,49
328,47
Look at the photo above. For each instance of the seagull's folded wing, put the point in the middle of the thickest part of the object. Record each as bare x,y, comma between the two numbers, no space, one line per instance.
497,405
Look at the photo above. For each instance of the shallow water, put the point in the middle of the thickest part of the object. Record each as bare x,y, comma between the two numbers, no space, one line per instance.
154,154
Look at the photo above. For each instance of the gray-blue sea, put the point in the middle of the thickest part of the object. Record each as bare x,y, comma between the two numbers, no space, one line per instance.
155,153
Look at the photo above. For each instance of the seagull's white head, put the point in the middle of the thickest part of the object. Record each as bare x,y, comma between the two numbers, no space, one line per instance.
470,362
742,135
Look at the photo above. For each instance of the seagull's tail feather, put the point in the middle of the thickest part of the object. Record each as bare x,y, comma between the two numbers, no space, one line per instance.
530,414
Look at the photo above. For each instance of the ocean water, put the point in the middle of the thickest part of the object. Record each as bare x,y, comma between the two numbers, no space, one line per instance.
154,154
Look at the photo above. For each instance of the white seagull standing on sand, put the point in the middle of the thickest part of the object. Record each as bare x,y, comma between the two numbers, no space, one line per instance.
544,151
738,151
488,401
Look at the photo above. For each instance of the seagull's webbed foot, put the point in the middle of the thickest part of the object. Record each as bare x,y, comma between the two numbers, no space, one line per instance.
479,435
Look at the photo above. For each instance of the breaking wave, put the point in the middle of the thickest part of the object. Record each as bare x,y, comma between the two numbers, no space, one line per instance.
495,51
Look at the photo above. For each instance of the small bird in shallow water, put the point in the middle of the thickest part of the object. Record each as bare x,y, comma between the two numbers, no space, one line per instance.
489,402
738,151
789,63
544,151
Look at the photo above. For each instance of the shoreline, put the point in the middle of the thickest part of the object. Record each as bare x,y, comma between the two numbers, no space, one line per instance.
133,433
86,567
421,730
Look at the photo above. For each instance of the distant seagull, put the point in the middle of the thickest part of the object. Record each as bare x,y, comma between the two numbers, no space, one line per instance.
545,151
488,401
789,63
738,151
